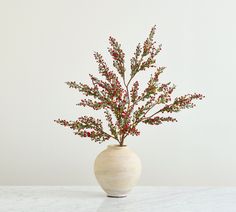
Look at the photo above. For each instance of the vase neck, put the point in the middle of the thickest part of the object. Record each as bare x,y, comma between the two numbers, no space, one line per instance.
114,146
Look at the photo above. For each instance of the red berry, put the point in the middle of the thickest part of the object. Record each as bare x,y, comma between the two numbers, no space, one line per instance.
115,55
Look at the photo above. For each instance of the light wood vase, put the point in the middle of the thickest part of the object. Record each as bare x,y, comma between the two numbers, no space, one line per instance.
117,170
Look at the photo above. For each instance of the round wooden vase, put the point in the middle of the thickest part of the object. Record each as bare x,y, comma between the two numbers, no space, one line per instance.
117,170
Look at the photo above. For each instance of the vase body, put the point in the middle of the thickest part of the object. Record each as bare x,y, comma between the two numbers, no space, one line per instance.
117,170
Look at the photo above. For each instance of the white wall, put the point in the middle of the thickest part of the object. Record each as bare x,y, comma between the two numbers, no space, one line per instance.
45,43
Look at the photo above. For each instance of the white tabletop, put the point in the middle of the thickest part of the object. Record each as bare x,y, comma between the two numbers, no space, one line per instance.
89,198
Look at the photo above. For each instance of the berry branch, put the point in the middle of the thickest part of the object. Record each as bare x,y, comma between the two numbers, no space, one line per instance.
123,105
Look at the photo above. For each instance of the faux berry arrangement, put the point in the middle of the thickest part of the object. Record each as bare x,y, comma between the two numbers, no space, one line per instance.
123,105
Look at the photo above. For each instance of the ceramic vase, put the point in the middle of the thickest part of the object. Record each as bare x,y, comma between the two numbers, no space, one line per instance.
117,170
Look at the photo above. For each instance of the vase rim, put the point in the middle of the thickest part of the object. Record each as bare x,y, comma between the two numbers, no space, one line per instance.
116,146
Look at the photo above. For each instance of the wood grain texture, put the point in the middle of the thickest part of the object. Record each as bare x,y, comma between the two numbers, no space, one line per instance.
117,170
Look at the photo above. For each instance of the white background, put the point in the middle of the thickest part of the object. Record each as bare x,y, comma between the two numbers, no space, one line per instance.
45,43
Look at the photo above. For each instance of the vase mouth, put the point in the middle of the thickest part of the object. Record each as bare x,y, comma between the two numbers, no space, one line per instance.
116,146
